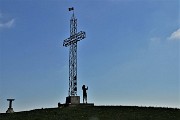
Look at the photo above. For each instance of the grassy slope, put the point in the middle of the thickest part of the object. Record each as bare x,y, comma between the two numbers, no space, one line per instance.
96,113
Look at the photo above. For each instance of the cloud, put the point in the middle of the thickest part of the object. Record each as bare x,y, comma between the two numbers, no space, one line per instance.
7,24
175,35
5,21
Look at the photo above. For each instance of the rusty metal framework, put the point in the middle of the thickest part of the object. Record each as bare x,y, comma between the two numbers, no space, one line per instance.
72,42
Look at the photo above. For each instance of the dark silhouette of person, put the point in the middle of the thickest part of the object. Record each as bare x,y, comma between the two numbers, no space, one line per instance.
84,93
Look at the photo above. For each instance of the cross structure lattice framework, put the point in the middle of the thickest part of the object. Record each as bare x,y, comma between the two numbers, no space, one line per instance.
72,42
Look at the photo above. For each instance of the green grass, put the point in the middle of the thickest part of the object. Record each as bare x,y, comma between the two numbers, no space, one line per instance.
96,113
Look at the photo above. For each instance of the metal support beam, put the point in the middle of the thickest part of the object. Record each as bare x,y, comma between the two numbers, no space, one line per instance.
74,39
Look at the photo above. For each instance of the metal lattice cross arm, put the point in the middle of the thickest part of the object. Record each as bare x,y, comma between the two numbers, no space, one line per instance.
74,38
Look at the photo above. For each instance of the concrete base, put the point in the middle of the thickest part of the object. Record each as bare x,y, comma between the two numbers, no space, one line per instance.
80,105
87,104
10,110
73,100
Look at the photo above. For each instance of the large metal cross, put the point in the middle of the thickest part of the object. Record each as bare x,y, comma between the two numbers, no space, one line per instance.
72,42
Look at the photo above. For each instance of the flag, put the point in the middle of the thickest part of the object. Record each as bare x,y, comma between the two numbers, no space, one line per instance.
71,9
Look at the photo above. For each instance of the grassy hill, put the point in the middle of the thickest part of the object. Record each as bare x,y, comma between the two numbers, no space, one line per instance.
96,113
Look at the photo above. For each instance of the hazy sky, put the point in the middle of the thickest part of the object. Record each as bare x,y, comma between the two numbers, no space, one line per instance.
130,56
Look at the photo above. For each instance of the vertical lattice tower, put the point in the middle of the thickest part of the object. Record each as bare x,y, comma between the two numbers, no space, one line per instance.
72,42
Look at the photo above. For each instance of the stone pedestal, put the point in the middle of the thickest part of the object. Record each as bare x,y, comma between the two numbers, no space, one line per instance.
73,100
10,110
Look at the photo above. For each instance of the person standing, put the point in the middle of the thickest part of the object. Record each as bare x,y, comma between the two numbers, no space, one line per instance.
84,93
